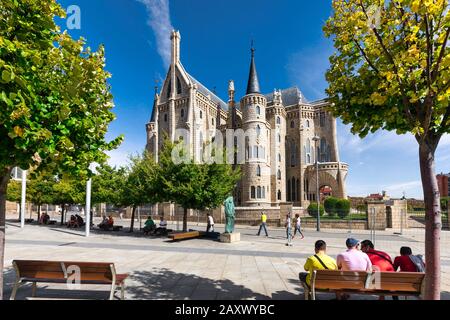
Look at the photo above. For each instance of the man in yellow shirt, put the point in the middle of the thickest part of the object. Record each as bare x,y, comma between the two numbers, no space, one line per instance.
263,224
319,261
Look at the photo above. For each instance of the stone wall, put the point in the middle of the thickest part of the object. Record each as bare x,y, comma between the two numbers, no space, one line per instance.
376,215
336,224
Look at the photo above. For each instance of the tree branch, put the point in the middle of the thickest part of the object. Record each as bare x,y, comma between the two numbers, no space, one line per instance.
365,56
435,71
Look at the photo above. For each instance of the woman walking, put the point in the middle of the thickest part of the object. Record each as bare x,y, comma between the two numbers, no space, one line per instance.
298,227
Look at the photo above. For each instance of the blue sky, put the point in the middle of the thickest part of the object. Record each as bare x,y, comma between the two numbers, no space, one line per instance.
215,43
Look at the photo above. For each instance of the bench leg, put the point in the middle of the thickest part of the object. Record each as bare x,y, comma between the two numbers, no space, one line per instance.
14,291
113,289
122,291
33,289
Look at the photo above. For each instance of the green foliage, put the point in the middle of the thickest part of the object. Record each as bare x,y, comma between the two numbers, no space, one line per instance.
312,210
342,208
330,205
40,188
444,203
361,207
14,192
392,75
55,101
108,185
69,191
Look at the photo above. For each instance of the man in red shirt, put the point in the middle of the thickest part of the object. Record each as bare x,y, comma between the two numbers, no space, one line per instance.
404,261
378,258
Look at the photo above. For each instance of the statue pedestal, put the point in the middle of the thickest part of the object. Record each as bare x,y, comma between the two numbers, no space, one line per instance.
230,237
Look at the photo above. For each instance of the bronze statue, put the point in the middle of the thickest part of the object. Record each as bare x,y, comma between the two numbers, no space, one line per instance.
229,214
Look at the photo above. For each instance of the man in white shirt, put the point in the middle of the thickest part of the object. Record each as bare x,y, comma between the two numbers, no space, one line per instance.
210,226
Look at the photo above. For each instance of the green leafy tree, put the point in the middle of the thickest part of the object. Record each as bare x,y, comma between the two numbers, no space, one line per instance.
391,71
40,190
14,193
55,101
68,191
312,210
191,185
342,208
140,185
330,205
107,185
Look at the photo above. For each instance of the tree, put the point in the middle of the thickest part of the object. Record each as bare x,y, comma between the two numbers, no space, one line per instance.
14,193
191,185
55,101
312,210
140,184
40,190
342,208
391,71
330,205
107,185
68,191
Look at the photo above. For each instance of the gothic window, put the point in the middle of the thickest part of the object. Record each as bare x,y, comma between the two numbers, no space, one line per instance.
165,117
279,175
323,150
201,114
248,149
279,157
255,152
262,153
279,195
279,138
201,147
292,124
288,191
258,110
307,123
178,86
252,192
263,196
278,120
258,171
297,182
182,113
258,192
308,151
293,189
258,130
212,121
169,89
322,119
308,158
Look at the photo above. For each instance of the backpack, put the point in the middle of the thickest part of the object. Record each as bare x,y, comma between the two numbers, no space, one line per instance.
418,262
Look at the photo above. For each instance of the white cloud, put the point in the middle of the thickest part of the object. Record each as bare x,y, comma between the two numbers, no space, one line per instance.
159,20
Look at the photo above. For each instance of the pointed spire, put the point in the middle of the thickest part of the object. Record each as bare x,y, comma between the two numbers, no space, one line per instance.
155,102
253,83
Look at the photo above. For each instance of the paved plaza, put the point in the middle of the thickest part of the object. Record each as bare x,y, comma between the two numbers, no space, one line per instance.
255,268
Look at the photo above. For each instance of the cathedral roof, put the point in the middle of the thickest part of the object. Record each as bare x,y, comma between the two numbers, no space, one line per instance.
290,96
206,92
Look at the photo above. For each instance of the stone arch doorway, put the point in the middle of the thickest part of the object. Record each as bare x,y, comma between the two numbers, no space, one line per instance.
325,191
327,185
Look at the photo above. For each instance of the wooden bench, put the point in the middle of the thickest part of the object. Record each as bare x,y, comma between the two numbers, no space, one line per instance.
186,235
371,283
66,272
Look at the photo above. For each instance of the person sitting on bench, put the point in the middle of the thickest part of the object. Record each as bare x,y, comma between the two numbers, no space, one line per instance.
149,225
162,229
44,218
319,261
73,222
80,220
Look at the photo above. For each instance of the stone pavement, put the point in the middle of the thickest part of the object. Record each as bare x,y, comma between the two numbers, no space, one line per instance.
255,268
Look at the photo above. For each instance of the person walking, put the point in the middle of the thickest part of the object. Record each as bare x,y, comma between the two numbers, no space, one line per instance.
288,226
298,227
263,224
210,225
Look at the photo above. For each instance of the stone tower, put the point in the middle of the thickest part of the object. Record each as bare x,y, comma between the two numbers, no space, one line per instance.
256,169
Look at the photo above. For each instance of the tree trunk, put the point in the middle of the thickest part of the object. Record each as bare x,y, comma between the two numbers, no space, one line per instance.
63,207
132,219
4,178
20,211
433,222
39,212
185,215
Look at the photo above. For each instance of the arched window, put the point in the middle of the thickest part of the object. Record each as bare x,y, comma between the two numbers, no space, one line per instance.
323,150
258,193
279,138
307,123
308,158
258,110
252,192
279,195
263,195
278,120
288,191
279,175
258,130
182,113
169,89
279,157
178,86
201,147
258,171
308,151
165,117
255,152
293,197
212,121
292,124
201,114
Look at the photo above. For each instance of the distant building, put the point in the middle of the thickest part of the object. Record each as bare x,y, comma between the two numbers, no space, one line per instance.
444,184
377,196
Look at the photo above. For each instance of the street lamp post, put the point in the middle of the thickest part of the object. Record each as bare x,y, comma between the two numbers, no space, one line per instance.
23,200
316,139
